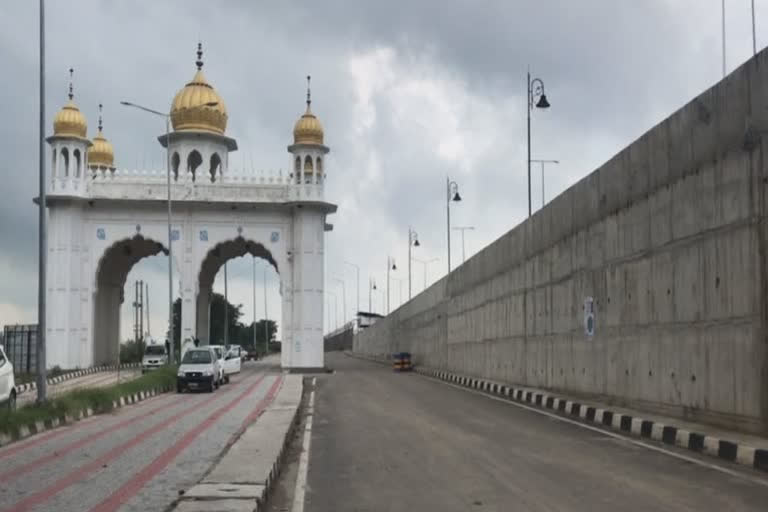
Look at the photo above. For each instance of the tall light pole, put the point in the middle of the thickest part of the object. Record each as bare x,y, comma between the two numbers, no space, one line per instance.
542,162
335,310
358,285
390,266
371,287
413,241
167,118
343,298
537,98
254,302
754,36
226,309
451,194
463,248
723,21
266,315
42,236
425,263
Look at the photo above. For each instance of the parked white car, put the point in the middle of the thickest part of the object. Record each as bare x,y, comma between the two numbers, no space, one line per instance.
8,390
232,362
199,369
220,353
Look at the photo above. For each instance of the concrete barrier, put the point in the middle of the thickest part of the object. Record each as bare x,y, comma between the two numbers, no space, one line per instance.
665,244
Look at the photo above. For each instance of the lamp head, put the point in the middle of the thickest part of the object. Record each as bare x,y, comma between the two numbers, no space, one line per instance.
416,243
542,103
456,196
394,267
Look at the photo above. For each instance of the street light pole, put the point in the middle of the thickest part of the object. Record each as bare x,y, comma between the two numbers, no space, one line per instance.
535,90
413,240
254,302
371,287
42,241
170,217
390,266
266,316
754,36
425,263
542,162
451,194
463,249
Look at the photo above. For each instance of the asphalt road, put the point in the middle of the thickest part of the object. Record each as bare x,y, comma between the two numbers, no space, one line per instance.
393,442
92,380
137,458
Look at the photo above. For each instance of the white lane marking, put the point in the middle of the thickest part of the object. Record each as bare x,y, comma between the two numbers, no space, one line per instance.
659,449
301,477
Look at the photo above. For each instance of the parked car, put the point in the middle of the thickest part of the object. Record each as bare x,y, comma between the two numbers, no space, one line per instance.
8,390
220,354
155,357
199,369
232,362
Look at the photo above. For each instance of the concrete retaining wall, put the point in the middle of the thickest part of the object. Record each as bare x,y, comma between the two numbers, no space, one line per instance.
668,238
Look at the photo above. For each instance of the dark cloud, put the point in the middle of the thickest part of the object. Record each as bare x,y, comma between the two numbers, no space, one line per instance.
409,92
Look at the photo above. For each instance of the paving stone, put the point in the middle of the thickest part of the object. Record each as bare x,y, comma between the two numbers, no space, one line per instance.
209,491
216,506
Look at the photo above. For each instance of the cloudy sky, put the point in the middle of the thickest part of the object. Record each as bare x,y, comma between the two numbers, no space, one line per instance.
408,92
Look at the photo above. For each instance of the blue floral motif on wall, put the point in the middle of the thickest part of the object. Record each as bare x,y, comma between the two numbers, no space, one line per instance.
101,234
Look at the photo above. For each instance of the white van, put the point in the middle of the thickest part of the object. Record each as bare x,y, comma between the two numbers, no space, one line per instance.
233,361
155,356
8,390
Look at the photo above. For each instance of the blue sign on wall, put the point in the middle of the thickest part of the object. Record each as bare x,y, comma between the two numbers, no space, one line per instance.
101,234
175,235
274,237
204,235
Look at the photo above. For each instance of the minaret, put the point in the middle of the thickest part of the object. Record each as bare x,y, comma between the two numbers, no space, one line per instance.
69,148
101,155
307,151
198,146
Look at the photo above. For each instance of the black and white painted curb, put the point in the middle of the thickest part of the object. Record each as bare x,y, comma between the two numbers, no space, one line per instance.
23,388
42,426
698,442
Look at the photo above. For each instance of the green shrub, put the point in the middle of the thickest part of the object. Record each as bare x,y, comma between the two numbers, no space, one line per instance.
98,399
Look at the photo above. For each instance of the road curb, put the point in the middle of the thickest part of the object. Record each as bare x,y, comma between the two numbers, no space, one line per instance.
38,427
211,492
30,386
636,426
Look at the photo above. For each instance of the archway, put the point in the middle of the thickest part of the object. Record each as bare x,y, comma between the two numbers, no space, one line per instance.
109,292
253,282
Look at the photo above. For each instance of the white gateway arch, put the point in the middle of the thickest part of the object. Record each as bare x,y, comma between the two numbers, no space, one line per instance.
102,220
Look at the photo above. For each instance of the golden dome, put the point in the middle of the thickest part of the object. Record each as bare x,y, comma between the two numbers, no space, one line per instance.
190,109
101,153
70,122
308,129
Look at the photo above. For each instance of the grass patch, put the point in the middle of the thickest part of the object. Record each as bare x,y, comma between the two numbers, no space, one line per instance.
100,400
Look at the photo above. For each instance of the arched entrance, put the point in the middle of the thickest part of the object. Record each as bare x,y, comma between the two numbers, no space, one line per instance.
211,267
108,292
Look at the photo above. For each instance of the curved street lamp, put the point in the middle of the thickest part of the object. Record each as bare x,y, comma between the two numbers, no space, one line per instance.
451,194
413,241
371,287
390,266
536,98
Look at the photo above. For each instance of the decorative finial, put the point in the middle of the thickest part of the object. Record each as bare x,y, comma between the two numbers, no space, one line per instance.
309,98
71,94
199,61
100,125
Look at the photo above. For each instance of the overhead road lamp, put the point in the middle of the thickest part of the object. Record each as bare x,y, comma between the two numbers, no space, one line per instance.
413,241
357,268
371,287
425,263
536,98
167,118
390,266
451,194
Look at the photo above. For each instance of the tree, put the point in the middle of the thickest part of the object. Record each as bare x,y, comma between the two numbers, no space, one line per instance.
131,351
239,334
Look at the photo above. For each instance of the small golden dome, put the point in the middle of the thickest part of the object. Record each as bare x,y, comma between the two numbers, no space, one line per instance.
70,122
308,129
191,108
101,154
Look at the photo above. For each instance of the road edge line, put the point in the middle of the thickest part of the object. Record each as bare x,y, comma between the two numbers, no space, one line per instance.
299,493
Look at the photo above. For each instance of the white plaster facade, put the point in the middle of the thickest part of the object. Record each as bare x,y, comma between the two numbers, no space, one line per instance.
101,222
